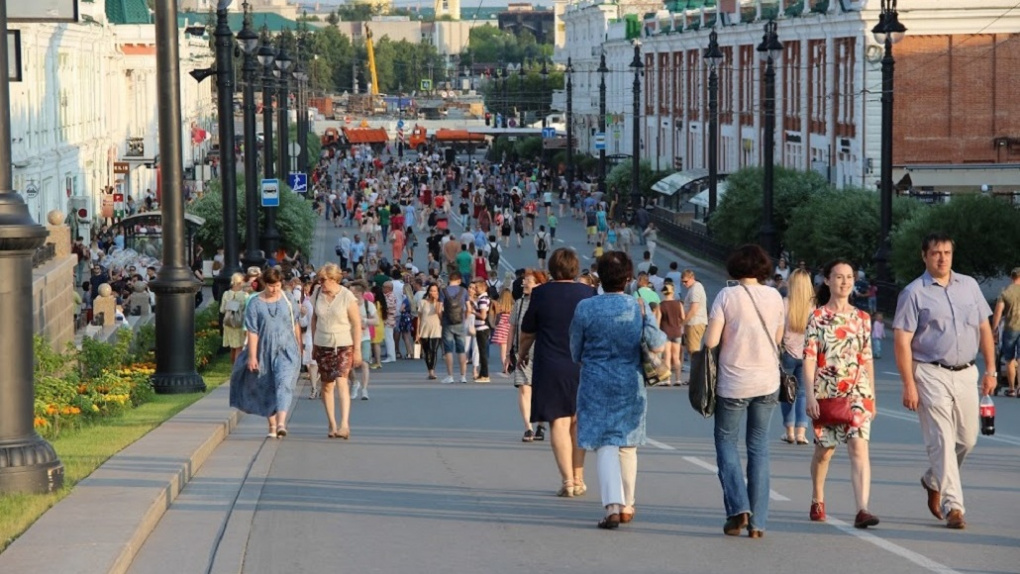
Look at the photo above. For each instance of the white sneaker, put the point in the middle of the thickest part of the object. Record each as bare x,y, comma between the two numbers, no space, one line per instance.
364,395
463,379
447,380
355,390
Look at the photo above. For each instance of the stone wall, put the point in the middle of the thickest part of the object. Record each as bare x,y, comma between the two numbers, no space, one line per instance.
53,300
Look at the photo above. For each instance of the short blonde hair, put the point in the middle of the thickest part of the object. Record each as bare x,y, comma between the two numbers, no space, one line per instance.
331,271
236,279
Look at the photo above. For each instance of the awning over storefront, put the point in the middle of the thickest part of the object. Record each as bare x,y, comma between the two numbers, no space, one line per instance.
669,185
701,199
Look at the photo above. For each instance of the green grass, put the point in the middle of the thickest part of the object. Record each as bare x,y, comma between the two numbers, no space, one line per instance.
84,450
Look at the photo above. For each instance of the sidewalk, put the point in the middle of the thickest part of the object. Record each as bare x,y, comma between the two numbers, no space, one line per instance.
100,526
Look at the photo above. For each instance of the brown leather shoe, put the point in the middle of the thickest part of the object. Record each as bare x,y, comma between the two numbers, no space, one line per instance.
955,520
735,524
755,533
627,517
934,500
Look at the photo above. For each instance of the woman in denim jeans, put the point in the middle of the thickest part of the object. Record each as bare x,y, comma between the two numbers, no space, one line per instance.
799,303
748,384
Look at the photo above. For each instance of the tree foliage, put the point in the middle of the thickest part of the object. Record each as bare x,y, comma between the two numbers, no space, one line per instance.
985,230
489,45
295,219
841,224
738,217
618,180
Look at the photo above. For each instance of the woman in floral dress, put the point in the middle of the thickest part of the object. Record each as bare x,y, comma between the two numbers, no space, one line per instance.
838,363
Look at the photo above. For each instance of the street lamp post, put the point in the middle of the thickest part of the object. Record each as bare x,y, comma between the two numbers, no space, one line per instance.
770,49
544,109
248,41
28,463
570,126
267,56
302,117
602,70
887,32
224,71
506,98
284,65
175,285
520,95
713,57
635,168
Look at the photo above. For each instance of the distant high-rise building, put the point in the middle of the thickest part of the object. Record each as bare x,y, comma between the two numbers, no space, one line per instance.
449,8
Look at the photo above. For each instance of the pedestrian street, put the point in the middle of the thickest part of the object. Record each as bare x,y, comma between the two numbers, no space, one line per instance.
435,478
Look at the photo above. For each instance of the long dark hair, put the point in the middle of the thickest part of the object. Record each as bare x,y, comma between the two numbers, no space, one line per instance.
380,298
824,293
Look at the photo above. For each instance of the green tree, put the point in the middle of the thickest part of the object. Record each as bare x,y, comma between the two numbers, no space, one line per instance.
294,218
618,180
841,223
737,220
985,230
333,19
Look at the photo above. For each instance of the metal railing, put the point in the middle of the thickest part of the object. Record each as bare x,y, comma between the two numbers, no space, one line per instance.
689,239
44,254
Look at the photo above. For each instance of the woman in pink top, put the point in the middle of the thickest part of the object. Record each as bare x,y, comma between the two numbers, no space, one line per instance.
747,321
800,301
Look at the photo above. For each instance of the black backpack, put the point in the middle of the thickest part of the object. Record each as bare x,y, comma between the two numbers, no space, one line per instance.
541,243
494,256
453,307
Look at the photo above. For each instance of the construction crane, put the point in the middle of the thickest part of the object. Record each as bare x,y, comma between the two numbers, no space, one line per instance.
374,89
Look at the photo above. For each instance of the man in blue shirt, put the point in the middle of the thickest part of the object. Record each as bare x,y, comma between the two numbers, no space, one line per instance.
941,324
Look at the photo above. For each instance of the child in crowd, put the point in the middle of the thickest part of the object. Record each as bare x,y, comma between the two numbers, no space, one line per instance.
877,334
598,250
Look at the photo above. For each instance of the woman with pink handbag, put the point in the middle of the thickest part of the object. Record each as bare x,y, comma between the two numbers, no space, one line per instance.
840,395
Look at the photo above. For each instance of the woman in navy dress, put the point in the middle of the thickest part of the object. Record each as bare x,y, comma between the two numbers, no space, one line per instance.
605,339
263,378
546,325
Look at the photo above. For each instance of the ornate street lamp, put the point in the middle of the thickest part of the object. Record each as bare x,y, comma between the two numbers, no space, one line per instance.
248,42
713,57
770,50
570,126
602,70
302,118
28,463
266,55
887,32
175,285
544,72
284,66
224,72
635,193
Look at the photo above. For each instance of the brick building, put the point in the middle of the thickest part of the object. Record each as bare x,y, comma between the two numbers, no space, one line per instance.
957,120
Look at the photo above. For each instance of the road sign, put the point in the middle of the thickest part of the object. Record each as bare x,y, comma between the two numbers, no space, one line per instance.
426,85
548,133
294,149
298,181
400,124
270,193
600,141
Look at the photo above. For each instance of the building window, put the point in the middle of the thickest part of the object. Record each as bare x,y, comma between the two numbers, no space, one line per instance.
817,89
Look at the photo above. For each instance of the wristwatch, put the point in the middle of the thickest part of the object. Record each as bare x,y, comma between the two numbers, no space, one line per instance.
992,374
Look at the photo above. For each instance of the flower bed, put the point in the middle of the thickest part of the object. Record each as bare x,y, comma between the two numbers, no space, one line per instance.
102,380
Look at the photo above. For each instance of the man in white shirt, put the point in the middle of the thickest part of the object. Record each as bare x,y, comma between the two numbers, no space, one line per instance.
646,263
343,247
695,311
674,273
654,279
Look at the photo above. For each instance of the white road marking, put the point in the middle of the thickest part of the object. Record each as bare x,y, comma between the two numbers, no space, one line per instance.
912,417
919,559
893,373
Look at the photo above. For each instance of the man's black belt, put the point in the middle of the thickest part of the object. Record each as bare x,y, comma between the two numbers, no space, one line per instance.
953,367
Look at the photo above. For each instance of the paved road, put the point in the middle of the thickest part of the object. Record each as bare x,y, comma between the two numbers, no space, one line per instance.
435,479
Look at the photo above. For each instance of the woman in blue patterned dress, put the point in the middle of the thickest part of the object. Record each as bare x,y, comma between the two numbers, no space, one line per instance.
605,338
262,382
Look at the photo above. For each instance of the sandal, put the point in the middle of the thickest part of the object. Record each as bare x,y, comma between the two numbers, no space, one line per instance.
343,433
281,432
567,490
610,522
580,487
802,440
787,439
529,435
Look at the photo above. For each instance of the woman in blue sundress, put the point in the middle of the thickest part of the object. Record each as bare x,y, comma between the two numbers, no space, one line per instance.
263,378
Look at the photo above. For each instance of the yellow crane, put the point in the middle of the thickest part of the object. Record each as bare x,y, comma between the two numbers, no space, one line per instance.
374,89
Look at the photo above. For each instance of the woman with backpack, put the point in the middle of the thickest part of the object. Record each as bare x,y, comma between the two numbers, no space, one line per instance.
541,245
232,308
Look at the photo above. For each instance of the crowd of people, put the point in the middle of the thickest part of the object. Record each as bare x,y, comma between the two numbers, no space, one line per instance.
572,339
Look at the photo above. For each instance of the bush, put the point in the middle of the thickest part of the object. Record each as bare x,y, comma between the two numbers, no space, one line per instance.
985,230
295,219
618,179
737,219
841,223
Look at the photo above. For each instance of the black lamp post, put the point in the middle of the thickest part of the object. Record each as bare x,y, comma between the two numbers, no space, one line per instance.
248,41
570,126
770,49
175,285
520,94
302,118
544,108
28,463
713,57
267,56
887,32
224,72
284,65
506,98
635,169
602,70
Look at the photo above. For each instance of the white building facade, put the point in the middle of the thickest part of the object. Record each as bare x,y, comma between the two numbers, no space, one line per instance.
84,116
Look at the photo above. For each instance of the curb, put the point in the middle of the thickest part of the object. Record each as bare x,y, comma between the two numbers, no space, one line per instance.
101,525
